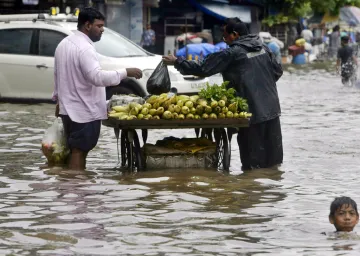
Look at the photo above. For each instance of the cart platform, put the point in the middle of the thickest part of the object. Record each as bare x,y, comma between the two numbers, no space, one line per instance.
177,124
210,128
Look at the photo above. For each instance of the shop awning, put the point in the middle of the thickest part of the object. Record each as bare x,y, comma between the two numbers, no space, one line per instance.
350,15
328,18
322,19
223,11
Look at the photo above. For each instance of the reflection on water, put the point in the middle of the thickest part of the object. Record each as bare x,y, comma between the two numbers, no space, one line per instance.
102,211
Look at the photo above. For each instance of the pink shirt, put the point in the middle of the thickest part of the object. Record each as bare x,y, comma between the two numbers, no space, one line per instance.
79,80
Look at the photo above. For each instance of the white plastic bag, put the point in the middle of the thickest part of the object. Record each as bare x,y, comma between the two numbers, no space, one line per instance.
122,100
54,144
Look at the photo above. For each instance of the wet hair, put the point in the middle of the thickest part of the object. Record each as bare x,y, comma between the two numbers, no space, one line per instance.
236,25
345,39
339,202
336,28
89,14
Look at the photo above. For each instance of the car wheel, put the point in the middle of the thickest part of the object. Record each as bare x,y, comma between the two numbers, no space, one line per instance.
119,89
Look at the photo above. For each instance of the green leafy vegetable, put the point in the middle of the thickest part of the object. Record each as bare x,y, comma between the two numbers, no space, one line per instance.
217,92
220,92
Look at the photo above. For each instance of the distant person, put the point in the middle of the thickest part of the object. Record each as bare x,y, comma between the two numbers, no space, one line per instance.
325,38
80,86
343,33
308,35
334,42
344,214
274,48
148,39
347,61
206,36
357,37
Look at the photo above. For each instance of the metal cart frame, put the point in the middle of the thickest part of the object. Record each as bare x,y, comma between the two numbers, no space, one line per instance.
220,130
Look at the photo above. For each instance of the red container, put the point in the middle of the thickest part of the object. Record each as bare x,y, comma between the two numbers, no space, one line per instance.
295,50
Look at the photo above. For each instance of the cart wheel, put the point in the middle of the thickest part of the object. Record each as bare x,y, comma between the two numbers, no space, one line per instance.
207,133
230,133
144,134
210,134
222,149
129,148
197,132
139,161
117,135
123,148
130,156
226,150
202,133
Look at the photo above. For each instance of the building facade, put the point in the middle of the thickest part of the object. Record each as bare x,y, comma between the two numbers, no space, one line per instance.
174,17
168,18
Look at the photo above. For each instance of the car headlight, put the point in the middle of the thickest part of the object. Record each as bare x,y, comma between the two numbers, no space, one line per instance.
148,72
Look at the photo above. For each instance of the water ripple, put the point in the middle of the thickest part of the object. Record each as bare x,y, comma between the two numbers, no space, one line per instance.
51,211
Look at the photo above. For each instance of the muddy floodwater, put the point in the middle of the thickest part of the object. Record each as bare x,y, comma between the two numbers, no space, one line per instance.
104,211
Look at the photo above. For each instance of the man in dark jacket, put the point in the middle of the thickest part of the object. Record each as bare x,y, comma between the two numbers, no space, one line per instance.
252,71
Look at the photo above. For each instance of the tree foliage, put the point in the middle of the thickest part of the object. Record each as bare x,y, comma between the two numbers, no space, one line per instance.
291,10
333,6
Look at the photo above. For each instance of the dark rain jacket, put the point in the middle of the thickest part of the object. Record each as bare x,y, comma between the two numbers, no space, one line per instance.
252,71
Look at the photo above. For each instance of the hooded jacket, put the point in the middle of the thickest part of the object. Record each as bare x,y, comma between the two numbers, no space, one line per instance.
251,70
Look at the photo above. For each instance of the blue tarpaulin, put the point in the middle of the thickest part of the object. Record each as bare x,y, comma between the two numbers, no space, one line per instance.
350,15
196,49
221,46
222,11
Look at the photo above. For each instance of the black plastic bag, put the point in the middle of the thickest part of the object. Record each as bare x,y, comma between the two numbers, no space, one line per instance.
159,81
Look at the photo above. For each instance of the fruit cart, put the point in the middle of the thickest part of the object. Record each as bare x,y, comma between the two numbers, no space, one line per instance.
218,130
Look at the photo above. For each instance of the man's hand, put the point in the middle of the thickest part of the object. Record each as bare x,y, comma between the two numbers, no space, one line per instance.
169,59
57,110
134,72
337,69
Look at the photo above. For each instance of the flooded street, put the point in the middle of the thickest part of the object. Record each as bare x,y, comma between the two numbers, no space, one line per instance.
186,212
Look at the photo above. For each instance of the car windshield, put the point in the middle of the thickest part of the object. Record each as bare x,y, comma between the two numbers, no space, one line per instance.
114,45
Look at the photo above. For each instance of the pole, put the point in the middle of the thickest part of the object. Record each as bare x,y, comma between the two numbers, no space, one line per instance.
186,52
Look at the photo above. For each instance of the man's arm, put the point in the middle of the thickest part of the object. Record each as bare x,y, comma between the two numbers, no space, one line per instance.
142,39
153,38
212,64
276,67
55,93
338,62
355,60
92,71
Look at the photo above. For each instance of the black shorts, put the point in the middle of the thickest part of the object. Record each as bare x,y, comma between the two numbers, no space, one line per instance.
82,136
261,145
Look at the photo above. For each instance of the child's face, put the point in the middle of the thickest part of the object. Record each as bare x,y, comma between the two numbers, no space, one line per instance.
345,218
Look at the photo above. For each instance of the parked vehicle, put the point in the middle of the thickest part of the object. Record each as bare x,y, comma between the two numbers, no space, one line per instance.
27,48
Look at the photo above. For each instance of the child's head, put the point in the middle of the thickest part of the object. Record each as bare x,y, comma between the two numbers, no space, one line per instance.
344,214
345,40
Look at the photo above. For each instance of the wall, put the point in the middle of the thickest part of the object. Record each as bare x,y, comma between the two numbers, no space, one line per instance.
136,20
126,19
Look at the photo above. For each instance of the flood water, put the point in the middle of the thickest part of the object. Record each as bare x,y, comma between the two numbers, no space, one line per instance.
186,212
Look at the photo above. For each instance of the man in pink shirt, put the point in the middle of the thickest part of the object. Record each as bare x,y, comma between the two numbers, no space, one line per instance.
80,86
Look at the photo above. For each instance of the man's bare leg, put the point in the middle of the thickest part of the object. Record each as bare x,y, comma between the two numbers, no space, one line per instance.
77,160
85,156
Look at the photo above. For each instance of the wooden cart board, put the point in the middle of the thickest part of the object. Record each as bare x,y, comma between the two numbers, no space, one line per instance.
176,123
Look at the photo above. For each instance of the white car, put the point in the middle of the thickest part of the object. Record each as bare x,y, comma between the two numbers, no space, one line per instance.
27,47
